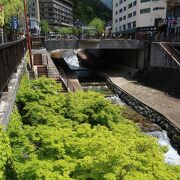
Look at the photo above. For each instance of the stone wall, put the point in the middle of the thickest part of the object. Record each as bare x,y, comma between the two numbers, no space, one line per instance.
7,100
159,57
151,114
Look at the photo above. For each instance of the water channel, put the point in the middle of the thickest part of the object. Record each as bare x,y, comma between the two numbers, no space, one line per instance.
97,84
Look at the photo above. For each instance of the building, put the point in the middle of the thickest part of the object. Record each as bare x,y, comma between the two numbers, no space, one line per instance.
34,16
130,16
57,12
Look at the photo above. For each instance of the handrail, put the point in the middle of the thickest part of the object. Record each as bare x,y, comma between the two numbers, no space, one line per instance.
8,44
11,55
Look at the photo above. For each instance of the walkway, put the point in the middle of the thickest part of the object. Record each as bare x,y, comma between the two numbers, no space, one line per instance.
155,99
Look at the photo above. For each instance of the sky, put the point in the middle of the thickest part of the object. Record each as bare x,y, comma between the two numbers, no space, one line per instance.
108,3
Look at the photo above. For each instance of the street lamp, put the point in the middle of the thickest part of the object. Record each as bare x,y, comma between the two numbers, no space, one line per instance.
27,32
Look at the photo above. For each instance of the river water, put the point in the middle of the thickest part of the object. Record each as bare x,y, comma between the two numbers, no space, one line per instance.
171,156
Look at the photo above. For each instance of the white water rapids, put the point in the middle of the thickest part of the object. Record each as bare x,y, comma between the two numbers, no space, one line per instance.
171,157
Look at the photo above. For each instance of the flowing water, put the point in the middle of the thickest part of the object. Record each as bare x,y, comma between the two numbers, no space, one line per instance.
171,156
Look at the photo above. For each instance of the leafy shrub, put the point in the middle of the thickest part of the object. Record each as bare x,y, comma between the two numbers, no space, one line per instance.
79,136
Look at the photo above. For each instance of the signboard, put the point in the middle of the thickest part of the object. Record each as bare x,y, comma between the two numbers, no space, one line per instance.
171,21
13,23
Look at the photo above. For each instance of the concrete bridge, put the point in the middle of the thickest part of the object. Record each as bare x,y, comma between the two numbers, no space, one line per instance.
94,44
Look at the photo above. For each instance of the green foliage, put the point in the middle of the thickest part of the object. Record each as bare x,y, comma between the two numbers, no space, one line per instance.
85,10
44,26
79,136
12,8
66,30
5,153
98,24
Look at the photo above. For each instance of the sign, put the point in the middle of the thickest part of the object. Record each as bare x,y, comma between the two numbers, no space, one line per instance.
171,21
13,23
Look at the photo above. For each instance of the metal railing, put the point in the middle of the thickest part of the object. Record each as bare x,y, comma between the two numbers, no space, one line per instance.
11,55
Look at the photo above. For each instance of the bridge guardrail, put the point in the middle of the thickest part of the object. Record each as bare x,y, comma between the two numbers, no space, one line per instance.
11,55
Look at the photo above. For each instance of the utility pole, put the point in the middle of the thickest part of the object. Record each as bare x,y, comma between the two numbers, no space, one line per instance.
28,34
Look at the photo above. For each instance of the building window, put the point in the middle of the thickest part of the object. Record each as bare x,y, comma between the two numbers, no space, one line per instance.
124,17
125,8
134,13
120,11
129,15
129,25
147,10
134,3
142,1
124,27
134,24
120,2
120,19
130,5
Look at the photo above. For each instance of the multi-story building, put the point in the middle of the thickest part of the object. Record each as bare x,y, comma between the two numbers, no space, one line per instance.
57,12
34,16
137,15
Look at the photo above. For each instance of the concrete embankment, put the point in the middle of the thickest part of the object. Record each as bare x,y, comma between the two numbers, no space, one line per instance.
151,103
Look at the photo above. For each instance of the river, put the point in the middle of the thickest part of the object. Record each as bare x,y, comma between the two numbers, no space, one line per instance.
171,156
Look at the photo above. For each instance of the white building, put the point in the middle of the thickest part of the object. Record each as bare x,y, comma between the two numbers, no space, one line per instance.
137,15
34,15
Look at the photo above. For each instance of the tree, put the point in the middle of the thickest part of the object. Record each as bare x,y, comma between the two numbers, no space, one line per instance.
12,8
44,26
98,24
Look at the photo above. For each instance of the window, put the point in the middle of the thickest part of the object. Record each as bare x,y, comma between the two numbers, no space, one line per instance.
134,3
124,17
134,13
130,5
124,27
134,24
125,8
129,25
129,15
120,19
143,1
120,11
147,10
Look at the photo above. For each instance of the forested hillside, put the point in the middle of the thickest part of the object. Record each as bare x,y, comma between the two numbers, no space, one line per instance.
86,10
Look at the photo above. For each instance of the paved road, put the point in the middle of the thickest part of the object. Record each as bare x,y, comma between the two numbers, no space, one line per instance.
157,100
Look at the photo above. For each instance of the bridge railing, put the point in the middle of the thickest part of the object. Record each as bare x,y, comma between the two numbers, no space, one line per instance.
11,55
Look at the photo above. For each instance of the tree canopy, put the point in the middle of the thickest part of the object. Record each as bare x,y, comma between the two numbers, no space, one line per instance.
85,10
44,26
12,8
98,24
78,136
